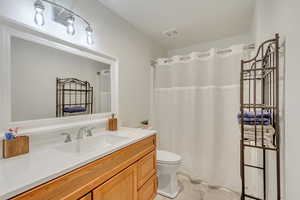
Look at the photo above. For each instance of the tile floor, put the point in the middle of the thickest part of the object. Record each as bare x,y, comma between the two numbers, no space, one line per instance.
191,191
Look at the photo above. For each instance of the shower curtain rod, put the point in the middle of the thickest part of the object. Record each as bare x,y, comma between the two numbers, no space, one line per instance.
220,51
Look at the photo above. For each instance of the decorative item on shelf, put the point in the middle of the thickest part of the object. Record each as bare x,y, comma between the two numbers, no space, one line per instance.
112,123
14,145
63,16
145,124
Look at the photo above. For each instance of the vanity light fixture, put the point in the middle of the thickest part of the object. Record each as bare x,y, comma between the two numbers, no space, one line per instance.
39,18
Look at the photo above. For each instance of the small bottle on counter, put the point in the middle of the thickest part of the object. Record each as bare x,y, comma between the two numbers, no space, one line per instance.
112,124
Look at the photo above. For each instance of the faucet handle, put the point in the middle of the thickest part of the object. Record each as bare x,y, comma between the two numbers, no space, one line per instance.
89,131
68,138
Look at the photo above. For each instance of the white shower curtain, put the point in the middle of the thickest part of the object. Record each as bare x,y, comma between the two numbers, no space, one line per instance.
196,100
104,96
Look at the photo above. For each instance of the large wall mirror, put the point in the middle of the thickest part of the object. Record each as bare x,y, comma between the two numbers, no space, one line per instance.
47,81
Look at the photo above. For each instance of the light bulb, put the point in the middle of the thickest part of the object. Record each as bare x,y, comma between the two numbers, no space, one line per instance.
89,39
39,13
89,35
70,26
39,18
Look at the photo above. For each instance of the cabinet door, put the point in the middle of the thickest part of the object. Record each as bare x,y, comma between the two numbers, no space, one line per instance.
146,168
123,186
87,197
149,189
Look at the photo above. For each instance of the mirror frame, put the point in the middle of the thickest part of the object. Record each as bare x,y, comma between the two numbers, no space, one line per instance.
8,30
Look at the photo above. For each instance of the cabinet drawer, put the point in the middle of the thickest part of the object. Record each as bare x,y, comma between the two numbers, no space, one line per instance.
122,186
87,197
149,189
146,168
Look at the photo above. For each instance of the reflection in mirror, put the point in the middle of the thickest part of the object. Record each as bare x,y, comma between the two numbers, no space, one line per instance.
47,83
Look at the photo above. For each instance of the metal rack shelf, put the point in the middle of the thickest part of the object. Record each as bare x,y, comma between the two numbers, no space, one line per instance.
72,92
260,93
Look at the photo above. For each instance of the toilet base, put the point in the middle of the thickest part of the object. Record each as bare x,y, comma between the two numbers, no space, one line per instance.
167,184
169,195
167,165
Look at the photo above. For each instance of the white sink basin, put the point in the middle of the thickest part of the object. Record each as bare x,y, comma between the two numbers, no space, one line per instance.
91,144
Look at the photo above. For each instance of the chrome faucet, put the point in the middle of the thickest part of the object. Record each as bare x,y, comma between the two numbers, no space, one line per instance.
83,130
68,138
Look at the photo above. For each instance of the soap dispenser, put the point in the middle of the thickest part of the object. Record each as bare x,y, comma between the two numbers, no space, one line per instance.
112,123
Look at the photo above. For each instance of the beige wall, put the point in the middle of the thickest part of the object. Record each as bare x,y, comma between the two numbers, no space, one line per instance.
277,16
114,36
270,18
292,100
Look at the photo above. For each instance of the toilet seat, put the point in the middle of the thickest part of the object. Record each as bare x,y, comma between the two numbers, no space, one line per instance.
165,157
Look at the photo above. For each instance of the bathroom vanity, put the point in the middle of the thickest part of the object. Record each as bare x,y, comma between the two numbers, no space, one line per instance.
125,169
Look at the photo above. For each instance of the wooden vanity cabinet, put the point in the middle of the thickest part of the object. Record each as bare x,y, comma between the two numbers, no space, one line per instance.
148,190
87,197
146,168
122,186
127,174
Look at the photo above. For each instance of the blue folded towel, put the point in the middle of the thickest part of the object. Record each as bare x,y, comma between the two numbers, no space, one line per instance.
258,118
74,109
247,119
259,114
257,121
265,123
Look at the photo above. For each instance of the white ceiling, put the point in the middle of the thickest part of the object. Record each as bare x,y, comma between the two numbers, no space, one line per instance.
196,20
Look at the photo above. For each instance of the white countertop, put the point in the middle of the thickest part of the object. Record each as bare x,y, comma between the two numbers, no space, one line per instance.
24,172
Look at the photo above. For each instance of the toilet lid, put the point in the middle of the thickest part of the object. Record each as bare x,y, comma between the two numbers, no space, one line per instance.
168,157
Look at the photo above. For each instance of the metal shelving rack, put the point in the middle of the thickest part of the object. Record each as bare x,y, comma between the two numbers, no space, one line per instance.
260,93
72,92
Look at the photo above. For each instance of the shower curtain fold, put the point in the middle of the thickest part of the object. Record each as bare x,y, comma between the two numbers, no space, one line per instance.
104,92
196,101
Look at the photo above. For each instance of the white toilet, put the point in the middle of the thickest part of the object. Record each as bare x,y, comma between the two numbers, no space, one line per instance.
168,164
